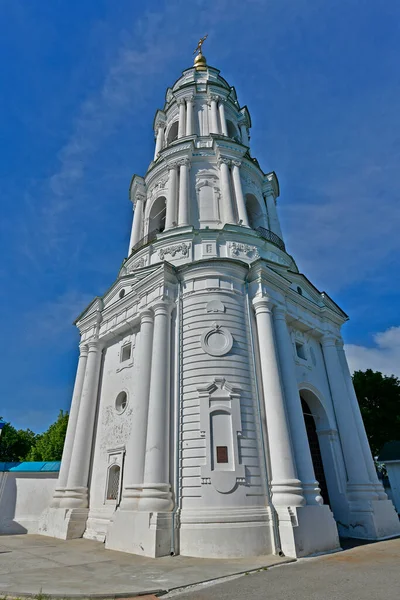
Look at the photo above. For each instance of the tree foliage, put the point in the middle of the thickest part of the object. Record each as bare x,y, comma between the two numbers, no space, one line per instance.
19,445
49,445
15,444
379,399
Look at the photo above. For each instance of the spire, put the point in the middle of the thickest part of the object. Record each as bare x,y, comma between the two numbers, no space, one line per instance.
200,62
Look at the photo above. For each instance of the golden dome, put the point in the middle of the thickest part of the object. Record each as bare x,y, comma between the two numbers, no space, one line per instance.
200,62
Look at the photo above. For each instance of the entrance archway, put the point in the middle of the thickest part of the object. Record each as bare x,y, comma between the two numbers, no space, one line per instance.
315,450
325,451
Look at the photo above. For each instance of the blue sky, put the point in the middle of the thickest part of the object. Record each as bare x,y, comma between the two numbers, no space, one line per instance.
81,82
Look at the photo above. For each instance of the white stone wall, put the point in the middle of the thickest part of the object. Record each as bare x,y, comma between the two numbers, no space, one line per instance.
112,431
213,494
23,498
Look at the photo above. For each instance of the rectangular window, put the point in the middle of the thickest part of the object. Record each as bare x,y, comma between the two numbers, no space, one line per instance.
126,352
222,454
300,350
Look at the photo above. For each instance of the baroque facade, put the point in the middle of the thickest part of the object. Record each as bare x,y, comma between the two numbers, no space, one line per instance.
213,412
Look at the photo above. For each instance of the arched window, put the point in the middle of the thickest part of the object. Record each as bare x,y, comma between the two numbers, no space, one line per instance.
254,212
114,474
157,215
232,131
172,133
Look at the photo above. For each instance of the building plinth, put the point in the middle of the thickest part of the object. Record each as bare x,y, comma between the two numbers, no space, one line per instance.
139,532
63,523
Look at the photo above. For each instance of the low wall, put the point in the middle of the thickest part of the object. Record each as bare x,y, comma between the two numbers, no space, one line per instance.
23,498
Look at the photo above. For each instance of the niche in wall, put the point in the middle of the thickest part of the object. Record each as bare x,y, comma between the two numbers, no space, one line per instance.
221,426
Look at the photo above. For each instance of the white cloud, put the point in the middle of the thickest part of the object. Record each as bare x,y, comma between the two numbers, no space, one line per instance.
384,356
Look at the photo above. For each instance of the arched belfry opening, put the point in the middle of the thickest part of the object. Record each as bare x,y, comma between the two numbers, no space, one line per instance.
157,215
315,450
232,131
173,133
255,214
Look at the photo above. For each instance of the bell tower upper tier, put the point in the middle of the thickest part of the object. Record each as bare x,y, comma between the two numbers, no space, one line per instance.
202,176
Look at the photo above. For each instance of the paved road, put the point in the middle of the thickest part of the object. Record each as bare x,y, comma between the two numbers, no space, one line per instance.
369,571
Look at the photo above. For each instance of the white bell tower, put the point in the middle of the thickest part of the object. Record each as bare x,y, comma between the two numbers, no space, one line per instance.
213,412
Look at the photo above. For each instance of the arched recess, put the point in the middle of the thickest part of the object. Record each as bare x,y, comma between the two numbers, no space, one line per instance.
113,483
172,133
325,451
232,130
157,215
255,212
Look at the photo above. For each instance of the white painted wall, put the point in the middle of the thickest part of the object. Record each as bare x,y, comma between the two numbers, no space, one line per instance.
23,498
393,470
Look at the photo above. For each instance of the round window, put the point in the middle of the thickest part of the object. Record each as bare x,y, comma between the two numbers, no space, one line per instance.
121,402
299,290
122,293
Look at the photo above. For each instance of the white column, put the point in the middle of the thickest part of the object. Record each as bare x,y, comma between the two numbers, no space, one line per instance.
137,225
369,462
156,494
172,200
214,114
286,488
222,118
301,446
354,460
135,455
76,493
237,186
72,421
244,134
182,117
189,115
183,218
228,213
159,140
274,224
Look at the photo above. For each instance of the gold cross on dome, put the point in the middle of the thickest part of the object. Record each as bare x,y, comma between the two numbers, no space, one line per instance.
199,45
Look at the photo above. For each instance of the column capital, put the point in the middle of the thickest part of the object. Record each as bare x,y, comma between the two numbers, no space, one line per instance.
329,339
223,160
138,198
94,345
262,304
268,191
183,162
279,313
172,165
181,101
189,98
236,163
163,306
159,125
83,350
146,316
213,98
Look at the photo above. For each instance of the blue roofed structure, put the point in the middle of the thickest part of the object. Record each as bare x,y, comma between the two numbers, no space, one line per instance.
31,466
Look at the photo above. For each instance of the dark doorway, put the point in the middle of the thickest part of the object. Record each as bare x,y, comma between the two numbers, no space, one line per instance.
315,450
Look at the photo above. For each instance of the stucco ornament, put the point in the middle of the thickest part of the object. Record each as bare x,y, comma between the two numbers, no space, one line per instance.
237,249
173,250
217,340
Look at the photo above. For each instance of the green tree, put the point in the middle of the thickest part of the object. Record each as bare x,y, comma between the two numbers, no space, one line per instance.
379,399
15,444
49,445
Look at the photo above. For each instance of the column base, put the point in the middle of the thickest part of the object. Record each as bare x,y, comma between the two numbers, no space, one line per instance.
76,497
226,533
138,532
373,520
155,497
63,523
307,530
